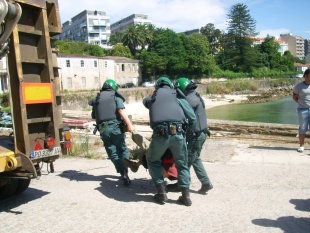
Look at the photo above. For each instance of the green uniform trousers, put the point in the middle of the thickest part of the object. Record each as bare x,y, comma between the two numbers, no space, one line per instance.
115,145
194,146
177,145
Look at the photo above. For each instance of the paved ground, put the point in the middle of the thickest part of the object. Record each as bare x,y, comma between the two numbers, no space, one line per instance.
258,187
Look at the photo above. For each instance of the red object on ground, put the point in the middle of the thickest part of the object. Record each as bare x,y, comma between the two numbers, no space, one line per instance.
76,123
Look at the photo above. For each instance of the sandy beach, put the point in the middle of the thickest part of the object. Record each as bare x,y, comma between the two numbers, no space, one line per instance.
138,111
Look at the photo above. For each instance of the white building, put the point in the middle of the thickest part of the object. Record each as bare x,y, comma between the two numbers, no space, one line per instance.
88,26
121,25
296,45
283,44
83,72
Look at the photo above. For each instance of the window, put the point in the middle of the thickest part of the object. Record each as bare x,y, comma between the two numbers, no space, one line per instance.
133,67
95,64
82,63
105,64
123,67
69,82
129,67
68,63
117,68
83,80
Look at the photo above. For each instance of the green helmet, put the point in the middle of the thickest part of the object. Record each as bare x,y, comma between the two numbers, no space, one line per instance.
163,81
110,83
182,83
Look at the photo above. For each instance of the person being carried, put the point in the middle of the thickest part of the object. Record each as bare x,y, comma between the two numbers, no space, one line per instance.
195,138
168,166
112,122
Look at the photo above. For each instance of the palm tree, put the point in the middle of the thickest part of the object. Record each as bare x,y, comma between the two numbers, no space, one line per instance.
133,38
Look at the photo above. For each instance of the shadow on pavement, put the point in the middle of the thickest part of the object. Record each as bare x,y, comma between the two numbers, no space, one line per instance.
286,224
300,204
31,194
112,186
272,148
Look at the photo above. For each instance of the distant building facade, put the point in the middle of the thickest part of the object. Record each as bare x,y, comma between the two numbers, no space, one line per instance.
296,45
307,47
301,67
283,44
187,33
88,26
83,72
121,25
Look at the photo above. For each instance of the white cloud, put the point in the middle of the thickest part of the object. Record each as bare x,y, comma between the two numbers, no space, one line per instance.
273,32
179,15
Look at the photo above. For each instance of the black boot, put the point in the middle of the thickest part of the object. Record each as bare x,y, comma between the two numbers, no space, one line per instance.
174,187
161,196
205,188
125,177
185,199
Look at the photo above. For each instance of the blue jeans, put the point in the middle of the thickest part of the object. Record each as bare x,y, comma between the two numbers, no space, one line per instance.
303,118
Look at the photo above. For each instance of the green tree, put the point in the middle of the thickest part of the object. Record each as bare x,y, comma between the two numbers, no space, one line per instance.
151,63
287,62
168,45
72,47
271,48
239,52
116,38
120,50
214,37
199,58
133,38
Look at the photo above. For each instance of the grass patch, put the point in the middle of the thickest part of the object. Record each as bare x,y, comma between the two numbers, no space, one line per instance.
81,146
231,86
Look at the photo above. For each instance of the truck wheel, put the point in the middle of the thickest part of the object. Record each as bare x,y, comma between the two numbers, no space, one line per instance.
9,189
22,185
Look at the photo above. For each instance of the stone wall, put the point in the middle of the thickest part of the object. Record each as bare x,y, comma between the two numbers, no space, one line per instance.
79,100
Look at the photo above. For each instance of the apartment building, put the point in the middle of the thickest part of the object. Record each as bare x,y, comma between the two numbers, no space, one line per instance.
283,44
88,26
296,44
83,72
121,25
307,47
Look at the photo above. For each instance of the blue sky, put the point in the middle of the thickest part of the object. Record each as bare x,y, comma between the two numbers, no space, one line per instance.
272,17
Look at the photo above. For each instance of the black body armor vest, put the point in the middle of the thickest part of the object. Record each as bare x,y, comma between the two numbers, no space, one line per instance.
165,108
105,107
196,102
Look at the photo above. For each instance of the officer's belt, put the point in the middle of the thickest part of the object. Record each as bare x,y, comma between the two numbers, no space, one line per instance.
170,129
193,134
103,125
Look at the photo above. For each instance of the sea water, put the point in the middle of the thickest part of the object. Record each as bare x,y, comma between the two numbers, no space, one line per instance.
283,111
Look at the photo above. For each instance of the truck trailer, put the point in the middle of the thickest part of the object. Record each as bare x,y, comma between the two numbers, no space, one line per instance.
38,134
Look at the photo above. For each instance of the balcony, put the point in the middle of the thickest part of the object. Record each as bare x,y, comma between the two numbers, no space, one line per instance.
94,31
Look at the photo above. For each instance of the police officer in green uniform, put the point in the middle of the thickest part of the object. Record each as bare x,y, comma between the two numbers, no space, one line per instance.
195,139
169,111
110,114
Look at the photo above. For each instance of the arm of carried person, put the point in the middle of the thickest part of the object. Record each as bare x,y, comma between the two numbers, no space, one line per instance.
295,97
125,117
